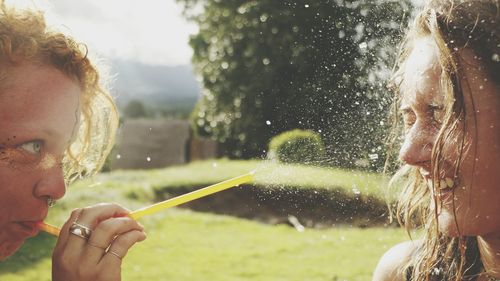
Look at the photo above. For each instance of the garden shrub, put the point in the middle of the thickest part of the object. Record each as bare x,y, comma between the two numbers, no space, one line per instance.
297,146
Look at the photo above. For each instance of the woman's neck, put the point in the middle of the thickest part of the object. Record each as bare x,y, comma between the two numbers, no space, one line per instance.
489,247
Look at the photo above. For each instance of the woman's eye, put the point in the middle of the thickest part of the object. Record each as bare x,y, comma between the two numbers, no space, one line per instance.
438,115
409,119
33,147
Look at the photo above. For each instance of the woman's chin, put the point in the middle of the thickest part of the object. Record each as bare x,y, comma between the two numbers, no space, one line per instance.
7,249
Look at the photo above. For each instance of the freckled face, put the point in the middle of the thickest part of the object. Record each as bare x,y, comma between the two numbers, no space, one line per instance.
471,201
38,116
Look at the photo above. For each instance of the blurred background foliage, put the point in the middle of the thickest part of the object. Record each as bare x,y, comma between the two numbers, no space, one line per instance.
271,66
297,146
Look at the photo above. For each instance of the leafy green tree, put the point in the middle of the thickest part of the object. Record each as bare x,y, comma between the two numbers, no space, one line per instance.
135,109
270,66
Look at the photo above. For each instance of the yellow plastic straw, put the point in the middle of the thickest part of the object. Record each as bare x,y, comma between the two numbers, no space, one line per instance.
173,201
191,196
54,230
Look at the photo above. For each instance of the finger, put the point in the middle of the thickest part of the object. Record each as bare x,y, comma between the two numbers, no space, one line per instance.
90,217
64,234
93,215
104,234
120,247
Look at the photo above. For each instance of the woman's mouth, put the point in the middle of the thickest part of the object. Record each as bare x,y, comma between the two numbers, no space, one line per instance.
444,184
28,228
443,187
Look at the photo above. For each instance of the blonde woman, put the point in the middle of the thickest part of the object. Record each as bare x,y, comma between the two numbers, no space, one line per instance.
448,94
57,123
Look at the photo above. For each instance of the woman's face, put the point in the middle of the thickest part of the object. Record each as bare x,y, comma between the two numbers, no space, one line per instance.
470,203
38,117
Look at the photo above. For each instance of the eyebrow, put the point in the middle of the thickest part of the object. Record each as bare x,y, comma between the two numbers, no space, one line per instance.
54,134
405,108
432,106
50,132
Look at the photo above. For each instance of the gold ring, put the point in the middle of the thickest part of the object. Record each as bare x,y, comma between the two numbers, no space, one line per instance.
80,230
114,254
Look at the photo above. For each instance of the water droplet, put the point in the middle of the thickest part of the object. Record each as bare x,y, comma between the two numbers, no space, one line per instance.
118,156
363,45
268,122
306,5
356,191
148,159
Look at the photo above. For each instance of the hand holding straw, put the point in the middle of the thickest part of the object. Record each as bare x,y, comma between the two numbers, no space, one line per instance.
173,201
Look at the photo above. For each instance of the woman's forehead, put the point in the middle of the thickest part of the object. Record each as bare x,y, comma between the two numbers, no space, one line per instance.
421,73
40,100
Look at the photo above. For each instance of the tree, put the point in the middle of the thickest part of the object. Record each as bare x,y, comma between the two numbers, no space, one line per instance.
135,109
270,66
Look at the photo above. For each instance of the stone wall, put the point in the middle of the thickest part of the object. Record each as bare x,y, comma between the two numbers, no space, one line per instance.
157,143
144,143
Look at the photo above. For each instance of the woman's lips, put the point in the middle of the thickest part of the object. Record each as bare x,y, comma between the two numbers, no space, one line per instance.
28,228
442,184
444,187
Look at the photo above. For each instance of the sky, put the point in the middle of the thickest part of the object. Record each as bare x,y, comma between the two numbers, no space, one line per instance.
152,32
148,31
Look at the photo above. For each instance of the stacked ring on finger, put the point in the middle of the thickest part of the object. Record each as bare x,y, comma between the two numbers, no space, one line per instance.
80,230
114,254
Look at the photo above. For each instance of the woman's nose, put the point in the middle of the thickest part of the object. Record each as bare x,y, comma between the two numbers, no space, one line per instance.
52,185
417,146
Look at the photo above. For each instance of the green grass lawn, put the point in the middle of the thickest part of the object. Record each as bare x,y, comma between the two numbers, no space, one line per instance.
136,188
186,245
267,173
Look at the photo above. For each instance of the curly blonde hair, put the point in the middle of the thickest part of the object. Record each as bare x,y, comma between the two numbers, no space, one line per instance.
26,38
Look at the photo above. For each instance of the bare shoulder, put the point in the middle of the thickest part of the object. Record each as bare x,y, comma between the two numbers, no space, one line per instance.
390,266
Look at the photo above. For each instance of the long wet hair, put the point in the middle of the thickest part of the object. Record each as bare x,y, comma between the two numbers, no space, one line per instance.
25,38
453,25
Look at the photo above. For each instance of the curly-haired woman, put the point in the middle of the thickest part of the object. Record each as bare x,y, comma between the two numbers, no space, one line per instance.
57,123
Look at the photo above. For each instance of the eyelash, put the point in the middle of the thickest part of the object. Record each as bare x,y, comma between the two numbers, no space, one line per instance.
438,115
409,117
